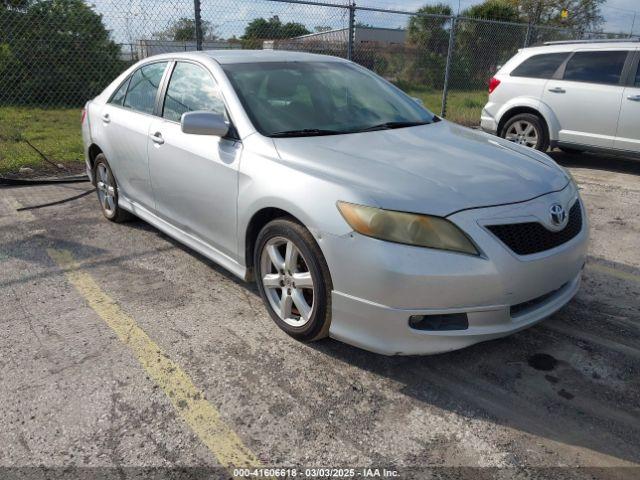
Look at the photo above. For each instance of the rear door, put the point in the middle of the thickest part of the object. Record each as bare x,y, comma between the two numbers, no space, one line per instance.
628,137
195,177
126,119
586,100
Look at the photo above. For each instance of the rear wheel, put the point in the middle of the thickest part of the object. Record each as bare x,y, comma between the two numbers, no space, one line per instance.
107,189
293,279
526,129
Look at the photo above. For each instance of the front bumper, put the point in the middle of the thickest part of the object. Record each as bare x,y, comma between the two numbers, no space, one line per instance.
385,330
378,285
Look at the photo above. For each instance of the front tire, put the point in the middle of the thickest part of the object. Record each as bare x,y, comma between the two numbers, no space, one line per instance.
293,279
107,190
526,129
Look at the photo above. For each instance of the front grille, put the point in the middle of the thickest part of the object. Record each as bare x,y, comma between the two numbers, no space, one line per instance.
533,237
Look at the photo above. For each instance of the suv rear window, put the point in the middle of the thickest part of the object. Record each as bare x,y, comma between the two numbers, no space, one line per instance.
596,67
540,66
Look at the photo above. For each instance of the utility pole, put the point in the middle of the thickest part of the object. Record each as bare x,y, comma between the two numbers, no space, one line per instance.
352,30
198,20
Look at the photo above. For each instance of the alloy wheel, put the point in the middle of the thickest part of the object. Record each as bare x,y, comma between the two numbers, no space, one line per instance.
523,133
106,190
287,281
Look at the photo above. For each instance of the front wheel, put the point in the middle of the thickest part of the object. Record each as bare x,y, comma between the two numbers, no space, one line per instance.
293,279
526,129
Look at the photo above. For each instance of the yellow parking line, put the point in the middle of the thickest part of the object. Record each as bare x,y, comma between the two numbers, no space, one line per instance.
613,272
187,399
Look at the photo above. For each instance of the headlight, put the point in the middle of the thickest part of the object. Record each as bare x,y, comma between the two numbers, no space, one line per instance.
407,228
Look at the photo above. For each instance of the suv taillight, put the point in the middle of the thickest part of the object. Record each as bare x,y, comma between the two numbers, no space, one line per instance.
493,84
84,114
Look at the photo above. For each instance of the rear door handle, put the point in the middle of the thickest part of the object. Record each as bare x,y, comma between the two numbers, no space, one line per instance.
634,98
157,138
105,118
557,90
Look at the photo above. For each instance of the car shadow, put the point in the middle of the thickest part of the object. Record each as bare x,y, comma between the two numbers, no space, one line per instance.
597,161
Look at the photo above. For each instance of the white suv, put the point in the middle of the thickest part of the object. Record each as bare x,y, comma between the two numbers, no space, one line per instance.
576,96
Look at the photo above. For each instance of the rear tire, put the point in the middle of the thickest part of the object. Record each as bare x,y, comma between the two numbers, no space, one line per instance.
293,279
107,189
526,129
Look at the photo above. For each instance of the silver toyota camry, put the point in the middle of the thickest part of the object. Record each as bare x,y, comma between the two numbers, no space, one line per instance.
360,214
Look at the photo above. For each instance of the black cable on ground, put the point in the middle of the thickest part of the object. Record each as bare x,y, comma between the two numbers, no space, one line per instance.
50,204
42,155
43,181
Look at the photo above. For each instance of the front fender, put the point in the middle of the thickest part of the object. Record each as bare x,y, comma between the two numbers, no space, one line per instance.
265,181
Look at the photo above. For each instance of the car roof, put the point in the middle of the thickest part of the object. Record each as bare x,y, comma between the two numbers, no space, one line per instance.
229,56
569,47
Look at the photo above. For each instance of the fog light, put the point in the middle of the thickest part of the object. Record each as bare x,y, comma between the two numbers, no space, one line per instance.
453,321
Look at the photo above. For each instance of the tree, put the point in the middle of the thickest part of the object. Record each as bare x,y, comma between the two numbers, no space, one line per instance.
184,30
272,29
58,52
430,31
14,4
583,15
480,48
428,41
502,10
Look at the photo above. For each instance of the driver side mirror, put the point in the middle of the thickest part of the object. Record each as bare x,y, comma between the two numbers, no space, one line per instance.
418,101
204,123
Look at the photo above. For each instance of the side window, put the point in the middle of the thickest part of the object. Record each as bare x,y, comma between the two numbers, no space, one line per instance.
118,97
143,87
637,81
540,66
596,67
191,88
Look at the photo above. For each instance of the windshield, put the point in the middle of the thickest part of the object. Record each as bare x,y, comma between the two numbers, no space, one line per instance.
321,98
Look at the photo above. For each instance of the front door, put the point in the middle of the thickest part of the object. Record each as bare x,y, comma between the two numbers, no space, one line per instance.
194,177
587,100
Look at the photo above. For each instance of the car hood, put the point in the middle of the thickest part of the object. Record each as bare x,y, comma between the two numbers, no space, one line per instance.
436,169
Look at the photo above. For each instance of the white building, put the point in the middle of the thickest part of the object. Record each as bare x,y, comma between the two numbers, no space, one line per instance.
362,35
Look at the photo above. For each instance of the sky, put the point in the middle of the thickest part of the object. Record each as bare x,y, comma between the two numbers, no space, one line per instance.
131,20
618,14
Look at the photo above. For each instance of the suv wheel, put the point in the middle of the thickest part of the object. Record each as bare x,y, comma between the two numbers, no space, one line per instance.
293,279
526,129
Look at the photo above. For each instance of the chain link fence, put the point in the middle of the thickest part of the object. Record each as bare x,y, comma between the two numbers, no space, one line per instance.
60,53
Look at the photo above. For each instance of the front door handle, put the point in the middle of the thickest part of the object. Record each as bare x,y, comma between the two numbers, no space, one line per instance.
634,98
105,118
557,90
157,138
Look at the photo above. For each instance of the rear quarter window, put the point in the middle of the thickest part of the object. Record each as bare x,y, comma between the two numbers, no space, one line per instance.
540,66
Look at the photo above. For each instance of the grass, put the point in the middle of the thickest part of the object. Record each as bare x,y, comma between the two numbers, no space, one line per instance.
55,132
463,106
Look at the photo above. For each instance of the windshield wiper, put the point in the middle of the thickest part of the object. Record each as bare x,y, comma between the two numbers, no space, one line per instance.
391,125
305,132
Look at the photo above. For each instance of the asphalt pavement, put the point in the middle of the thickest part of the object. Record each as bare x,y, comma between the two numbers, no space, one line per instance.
126,355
